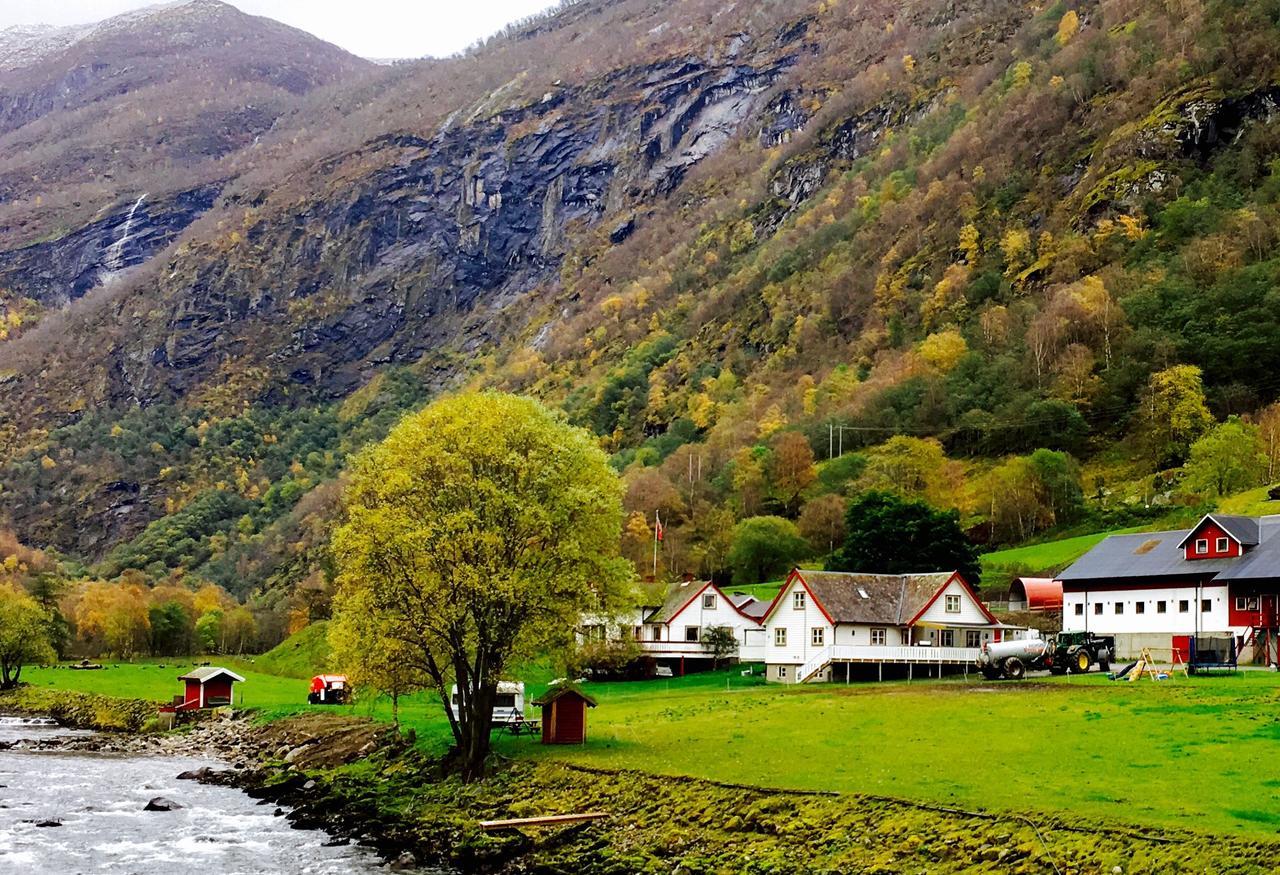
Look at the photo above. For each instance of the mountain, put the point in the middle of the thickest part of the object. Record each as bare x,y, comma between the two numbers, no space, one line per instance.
696,227
146,109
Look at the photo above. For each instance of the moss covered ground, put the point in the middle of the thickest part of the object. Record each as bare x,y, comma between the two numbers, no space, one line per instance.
1183,753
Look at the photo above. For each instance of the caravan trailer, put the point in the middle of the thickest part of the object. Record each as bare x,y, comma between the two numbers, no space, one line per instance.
508,704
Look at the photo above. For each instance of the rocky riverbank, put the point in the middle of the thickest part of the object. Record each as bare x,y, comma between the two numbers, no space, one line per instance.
361,782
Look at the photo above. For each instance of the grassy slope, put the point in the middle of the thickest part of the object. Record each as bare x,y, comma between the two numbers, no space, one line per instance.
1123,753
1050,556
298,656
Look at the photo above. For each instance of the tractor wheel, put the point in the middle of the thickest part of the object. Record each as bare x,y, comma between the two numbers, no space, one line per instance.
1014,669
1082,661
1104,660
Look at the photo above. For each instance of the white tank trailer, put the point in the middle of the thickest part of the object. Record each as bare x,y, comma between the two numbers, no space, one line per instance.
1069,651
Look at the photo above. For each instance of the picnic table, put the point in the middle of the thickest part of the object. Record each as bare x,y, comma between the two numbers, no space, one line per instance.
523,726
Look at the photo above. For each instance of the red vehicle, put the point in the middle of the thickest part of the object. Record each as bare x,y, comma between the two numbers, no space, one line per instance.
329,689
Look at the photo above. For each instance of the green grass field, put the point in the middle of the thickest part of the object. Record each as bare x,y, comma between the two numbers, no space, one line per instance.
1182,753
1050,556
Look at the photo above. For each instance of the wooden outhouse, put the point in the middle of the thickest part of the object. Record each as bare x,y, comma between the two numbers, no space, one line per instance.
564,714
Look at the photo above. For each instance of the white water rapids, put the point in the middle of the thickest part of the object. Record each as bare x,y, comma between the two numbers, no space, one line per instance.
99,798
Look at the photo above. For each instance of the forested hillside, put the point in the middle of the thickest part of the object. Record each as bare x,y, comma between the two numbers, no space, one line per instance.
1013,259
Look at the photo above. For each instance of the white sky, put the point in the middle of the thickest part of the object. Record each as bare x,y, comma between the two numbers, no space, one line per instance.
369,28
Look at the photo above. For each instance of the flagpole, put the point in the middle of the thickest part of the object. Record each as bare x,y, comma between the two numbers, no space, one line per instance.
657,526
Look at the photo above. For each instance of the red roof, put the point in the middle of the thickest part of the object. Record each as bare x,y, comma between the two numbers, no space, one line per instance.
1040,593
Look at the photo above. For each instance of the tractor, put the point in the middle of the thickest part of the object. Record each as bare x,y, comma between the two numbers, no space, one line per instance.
1074,652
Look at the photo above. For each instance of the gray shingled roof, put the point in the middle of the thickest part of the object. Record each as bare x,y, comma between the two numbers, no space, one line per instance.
892,599
678,596
749,605
1158,554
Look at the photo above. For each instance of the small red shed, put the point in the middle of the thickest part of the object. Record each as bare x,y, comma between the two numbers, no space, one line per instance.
564,714
207,688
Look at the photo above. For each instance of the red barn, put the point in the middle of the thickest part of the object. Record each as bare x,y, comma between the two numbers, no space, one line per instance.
206,688
564,715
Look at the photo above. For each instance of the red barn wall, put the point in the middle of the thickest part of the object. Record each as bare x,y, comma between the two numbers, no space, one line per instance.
1212,533
218,688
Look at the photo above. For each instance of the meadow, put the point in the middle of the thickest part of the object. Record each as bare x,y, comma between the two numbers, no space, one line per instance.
1180,753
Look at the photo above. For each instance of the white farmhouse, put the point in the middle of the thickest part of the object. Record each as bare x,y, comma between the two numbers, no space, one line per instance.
674,634
824,625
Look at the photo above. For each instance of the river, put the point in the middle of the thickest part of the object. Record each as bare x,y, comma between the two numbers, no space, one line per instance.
99,798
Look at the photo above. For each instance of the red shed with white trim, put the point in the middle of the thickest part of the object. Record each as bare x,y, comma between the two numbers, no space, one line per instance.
207,688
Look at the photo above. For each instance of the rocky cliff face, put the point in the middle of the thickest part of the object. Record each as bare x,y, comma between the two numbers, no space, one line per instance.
423,253
56,272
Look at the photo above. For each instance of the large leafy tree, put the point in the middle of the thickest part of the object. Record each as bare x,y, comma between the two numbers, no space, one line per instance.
764,547
24,635
475,536
888,535
1228,459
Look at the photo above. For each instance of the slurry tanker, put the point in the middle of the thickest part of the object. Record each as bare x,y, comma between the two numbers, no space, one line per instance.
1075,652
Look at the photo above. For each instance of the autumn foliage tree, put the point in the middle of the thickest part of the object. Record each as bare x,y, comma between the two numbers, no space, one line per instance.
24,635
475,536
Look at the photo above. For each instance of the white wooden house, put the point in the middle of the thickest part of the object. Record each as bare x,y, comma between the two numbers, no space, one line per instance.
823,623
674,633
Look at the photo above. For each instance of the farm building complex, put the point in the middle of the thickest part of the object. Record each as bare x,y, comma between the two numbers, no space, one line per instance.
821,626
1159,589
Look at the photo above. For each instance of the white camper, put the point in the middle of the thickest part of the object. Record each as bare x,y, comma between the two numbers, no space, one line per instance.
508,704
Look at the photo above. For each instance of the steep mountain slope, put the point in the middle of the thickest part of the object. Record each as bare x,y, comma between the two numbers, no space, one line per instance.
114,136
691,225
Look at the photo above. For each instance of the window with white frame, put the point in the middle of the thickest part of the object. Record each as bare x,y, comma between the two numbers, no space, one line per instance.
879,637
692,633
780,637
1223,545
947,638
655,633
709,601
1246,603
953,604
818,636
1202,546
798,600
1184,605
972,638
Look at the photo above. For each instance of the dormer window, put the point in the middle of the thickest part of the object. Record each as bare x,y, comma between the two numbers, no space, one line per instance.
953,604
1223,545
709,602
798,600
1202,547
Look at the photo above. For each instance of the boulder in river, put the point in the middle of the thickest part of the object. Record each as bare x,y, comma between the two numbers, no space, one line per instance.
199,774
160,803
49,823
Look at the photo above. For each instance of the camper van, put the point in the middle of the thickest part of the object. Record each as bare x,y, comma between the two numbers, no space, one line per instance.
508,704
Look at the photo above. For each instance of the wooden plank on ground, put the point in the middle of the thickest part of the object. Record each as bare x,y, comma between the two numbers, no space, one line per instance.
551,820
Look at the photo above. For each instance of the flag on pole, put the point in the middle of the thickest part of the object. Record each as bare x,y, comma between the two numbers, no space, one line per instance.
658,531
